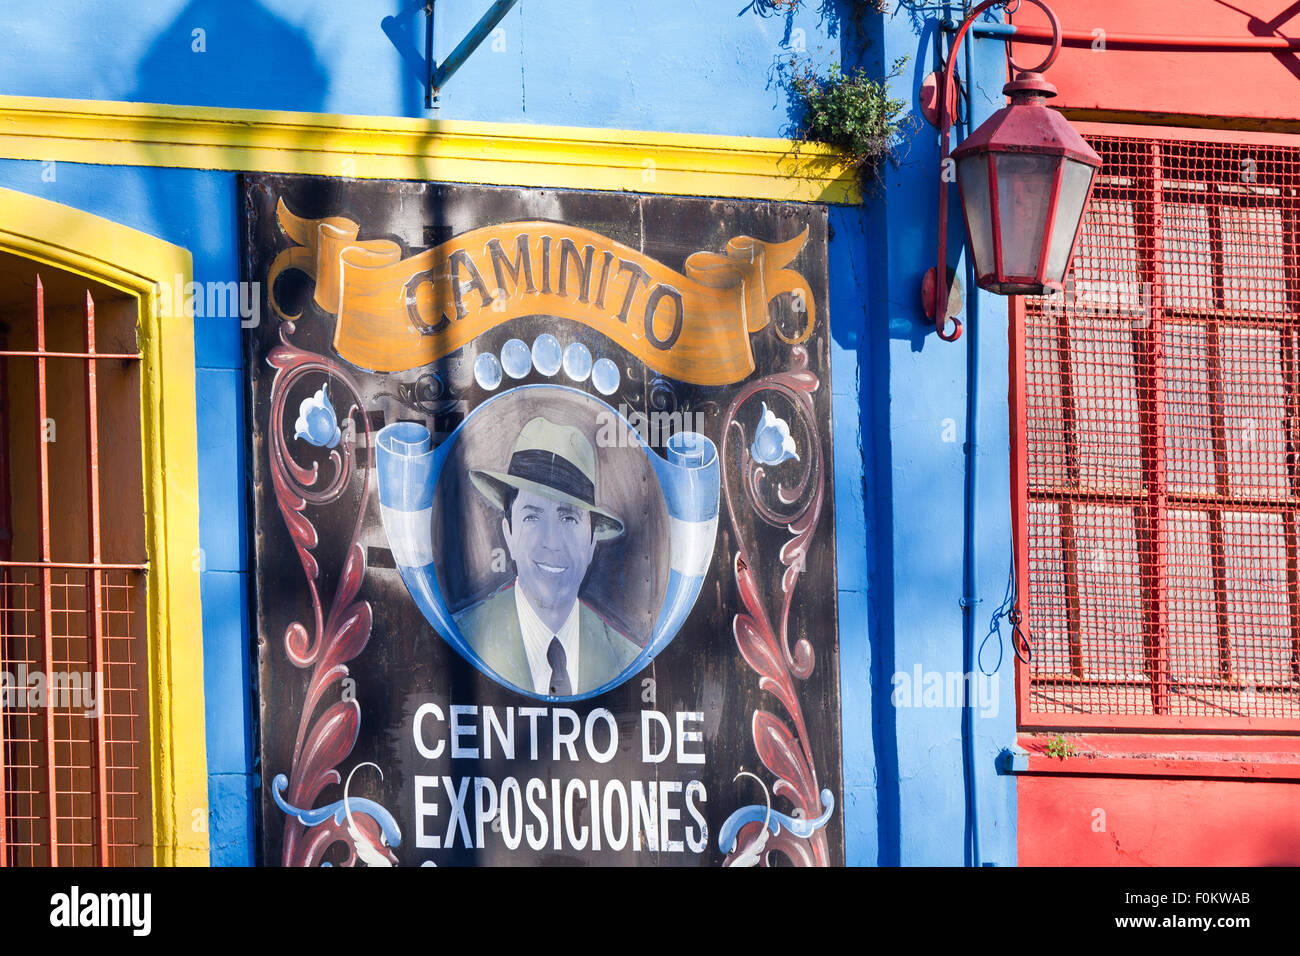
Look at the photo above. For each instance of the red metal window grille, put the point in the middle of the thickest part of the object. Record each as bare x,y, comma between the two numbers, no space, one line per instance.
1158,444
74,761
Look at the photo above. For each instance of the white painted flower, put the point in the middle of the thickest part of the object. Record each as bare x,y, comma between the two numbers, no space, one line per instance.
773,443
317,422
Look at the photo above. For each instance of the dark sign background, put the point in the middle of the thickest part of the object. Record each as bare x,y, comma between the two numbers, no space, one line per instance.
404,663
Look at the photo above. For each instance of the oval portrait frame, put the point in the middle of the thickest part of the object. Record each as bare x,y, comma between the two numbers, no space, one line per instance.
684,500
641,505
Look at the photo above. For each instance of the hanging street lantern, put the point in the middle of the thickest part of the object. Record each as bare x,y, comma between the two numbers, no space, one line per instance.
1025,177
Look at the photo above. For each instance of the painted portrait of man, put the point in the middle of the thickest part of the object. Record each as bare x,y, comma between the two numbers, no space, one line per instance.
536,631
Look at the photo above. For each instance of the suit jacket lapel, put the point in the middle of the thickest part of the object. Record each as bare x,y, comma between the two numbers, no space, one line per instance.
596,662
509,640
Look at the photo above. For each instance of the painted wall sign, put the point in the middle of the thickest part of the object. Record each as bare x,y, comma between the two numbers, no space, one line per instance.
542,504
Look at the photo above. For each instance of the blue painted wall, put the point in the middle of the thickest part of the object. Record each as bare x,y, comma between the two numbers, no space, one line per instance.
898,394
914,402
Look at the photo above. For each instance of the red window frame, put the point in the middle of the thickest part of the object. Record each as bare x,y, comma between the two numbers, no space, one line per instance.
1154,498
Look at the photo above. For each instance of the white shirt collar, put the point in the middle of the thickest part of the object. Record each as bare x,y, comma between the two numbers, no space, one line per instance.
537,638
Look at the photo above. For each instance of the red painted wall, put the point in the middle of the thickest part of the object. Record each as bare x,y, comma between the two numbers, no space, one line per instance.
1257,86
1157,822
1146,799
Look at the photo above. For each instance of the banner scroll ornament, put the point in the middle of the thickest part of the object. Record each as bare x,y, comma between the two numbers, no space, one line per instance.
395,314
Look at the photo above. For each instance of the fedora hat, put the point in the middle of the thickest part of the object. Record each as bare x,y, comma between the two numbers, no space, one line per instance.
556,462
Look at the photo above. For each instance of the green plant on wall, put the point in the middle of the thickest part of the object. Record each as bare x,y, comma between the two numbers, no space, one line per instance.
849,110
1059,747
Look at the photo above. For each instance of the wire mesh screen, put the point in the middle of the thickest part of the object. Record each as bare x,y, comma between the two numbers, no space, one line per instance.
74,690
1162,427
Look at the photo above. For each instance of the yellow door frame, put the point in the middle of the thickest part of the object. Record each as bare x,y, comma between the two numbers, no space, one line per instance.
145,267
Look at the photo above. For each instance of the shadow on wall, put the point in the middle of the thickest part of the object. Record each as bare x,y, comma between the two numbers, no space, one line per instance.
229,53
833,14
232,53
405,30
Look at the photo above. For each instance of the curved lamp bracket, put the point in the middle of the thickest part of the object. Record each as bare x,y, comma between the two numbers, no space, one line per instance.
936,294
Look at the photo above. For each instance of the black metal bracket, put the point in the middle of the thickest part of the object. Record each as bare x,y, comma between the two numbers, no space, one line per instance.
439,74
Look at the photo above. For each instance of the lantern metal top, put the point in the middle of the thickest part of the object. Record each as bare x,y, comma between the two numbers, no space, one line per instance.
1029,125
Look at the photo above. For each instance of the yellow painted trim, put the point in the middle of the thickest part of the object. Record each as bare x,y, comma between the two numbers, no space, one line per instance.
143,266
377,147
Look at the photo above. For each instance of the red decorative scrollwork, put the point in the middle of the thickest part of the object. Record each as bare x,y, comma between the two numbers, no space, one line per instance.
324,740
766,648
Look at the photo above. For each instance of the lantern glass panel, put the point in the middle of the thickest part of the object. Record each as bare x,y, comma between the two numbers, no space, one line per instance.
1075,180
973,178
1024,195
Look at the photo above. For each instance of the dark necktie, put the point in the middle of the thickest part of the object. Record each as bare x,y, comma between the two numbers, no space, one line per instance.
556,657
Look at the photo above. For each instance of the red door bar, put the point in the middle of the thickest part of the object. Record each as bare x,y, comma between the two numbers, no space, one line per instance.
47,607
97,580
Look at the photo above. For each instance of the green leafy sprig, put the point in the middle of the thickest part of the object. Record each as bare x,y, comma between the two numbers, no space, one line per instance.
850,111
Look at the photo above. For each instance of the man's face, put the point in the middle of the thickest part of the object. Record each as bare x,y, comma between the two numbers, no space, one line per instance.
551,545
